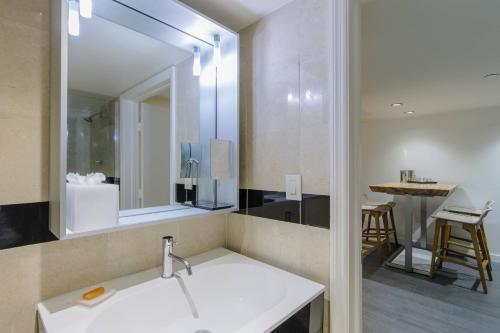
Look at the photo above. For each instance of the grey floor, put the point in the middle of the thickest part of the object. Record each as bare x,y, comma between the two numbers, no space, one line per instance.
395,301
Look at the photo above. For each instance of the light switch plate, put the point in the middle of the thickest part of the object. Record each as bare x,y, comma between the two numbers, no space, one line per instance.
188,183
293,187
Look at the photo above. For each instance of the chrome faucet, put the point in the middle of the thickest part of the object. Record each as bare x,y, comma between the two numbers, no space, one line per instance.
189,171
169,257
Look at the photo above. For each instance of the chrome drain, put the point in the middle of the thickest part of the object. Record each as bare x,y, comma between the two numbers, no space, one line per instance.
203,331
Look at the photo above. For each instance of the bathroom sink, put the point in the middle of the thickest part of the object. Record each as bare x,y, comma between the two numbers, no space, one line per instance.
227,292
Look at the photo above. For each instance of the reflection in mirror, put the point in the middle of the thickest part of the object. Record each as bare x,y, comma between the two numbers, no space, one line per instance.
132,85
190,167
133,105
91,133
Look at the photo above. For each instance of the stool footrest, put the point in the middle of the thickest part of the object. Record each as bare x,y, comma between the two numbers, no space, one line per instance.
461,238
460,253
461,245
458,262
374,232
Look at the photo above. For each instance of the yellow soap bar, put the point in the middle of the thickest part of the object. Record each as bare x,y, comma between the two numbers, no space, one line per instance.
93,293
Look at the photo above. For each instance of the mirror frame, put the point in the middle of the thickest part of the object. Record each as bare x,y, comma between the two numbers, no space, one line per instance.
180,17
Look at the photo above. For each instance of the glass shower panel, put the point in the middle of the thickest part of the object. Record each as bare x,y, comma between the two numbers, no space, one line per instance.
91,134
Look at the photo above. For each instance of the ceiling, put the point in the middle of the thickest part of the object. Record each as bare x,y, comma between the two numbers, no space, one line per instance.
108,59
236,14
430,55
99,54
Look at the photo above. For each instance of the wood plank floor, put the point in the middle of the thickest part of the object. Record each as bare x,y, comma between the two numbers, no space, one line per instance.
395,301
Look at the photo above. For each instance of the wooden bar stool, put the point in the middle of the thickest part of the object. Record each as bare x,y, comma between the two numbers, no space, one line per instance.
392,227
473,224
377,235
474,212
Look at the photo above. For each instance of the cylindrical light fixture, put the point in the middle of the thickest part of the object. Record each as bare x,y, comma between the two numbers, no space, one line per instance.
196,61
217,57
73,18
86,8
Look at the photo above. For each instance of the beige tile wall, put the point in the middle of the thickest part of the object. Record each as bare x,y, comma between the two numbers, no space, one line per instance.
284,98
296,248
24,100
284,112
300,249
285,129
30,274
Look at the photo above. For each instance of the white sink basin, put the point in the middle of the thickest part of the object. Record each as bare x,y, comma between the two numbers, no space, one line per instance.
226,293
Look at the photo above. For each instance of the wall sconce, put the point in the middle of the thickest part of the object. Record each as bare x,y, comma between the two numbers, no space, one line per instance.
86,8
77,8
73,18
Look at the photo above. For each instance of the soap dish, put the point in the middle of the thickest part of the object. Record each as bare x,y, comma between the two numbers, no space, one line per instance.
93,302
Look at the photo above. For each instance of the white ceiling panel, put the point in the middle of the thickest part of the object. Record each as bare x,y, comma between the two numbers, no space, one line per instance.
431,55
236,14
108,59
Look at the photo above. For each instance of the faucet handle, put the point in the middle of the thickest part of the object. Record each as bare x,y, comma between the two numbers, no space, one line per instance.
169,240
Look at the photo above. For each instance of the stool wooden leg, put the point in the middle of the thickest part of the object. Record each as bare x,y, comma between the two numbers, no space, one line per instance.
485,240
435,247
386,232
369,227
475,244
445,238
442,232
482,247
391,212
379,242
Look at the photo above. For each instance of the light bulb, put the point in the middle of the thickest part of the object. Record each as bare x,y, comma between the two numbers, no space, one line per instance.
196,61
73,19
86,8
217,58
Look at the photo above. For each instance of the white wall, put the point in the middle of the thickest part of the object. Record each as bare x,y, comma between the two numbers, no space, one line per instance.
156,154
187,109
461,147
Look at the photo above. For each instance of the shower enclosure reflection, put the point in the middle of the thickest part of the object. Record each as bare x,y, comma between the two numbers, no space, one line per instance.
92,134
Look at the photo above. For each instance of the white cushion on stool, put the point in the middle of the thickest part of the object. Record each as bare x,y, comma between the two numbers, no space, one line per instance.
455,217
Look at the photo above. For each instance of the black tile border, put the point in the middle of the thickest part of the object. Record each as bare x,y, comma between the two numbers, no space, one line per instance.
28,223
313,210
24,224
182,195
272,205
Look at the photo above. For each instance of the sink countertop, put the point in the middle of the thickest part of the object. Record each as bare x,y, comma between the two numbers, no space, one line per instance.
63,314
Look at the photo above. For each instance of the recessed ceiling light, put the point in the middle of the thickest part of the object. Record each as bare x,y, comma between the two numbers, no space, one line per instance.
409,112
492,75
397,105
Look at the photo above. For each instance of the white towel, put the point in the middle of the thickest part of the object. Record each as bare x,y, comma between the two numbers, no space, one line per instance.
220,167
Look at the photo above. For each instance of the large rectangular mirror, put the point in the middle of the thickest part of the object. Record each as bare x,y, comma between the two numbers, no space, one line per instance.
147,112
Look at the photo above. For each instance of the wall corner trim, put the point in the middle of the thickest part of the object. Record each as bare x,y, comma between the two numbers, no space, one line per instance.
345,243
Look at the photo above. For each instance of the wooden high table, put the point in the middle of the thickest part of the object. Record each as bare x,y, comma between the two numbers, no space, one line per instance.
410,190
